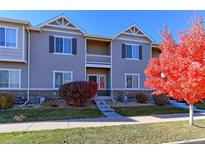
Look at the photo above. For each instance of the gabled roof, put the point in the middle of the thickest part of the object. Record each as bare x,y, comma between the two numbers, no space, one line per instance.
134,30
15,21
98,36
61,21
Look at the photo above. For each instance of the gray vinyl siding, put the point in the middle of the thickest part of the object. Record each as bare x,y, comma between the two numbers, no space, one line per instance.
44,63
120,66
14,54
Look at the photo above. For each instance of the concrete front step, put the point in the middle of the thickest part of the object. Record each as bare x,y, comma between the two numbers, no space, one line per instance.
103,98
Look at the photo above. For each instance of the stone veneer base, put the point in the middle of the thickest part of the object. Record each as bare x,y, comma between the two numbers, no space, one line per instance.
53,94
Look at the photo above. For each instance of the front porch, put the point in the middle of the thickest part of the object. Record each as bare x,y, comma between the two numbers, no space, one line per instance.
102,77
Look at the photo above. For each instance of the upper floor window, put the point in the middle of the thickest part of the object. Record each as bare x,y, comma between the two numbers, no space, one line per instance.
9,78
131,51
62,77
132,81
8,37
62,45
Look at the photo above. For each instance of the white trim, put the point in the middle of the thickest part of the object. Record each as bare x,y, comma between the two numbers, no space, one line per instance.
23,42
14,28
98,65
99,38
105,83
98,55
136,26
57,89
133,74
93,62
69,37
29,64
129,44
63,77
134,34
132,44
60,31
64,54
9,70
151,52
111,84
132,89
69,28
15,20
132,40
132,59
56,18
85,59
12,60
63,37
98,79
29,89
57,23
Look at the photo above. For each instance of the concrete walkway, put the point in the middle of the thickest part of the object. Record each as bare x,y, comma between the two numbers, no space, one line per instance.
106,109
94,122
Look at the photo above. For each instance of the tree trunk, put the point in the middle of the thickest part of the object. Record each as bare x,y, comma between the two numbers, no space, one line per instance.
191,118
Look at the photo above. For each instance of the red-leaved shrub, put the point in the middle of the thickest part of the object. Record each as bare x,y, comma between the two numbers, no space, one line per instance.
78,92
141,98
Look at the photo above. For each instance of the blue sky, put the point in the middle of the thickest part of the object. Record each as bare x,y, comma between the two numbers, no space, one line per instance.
108,23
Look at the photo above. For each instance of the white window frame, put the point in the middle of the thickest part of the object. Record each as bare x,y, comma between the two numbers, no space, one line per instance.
16,29
54,72
98,79
63,37
137,45
133,74
9,88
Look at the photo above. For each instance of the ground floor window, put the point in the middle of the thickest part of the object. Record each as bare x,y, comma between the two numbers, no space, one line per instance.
10,78
132,81
62,77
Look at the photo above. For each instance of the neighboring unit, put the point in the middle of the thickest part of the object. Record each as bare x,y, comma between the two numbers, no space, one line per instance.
36,61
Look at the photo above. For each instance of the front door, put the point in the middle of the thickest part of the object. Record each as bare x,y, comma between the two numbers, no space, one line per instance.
100,79
102,82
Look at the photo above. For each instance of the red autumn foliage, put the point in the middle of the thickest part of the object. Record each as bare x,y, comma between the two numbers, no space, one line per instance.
179,72
78,92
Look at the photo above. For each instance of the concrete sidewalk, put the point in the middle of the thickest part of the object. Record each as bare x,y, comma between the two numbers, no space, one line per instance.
94,122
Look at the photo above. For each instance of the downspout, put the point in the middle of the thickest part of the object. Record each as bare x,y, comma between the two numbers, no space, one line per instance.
28,89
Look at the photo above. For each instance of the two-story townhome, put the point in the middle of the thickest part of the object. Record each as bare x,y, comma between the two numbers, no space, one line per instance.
36,61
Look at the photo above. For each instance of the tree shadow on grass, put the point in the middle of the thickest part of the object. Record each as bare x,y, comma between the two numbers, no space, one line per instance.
198,126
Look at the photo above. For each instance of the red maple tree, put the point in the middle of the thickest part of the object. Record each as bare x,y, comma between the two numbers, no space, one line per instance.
179,72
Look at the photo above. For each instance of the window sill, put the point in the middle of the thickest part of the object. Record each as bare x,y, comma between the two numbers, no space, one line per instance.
5,47
10,88
132,88
132,59
64,54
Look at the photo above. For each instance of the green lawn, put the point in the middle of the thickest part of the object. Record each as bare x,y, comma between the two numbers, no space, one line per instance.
143,133
49,114
148,110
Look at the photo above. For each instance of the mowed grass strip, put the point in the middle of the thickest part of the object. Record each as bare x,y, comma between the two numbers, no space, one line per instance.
148,110
142,133
44,114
